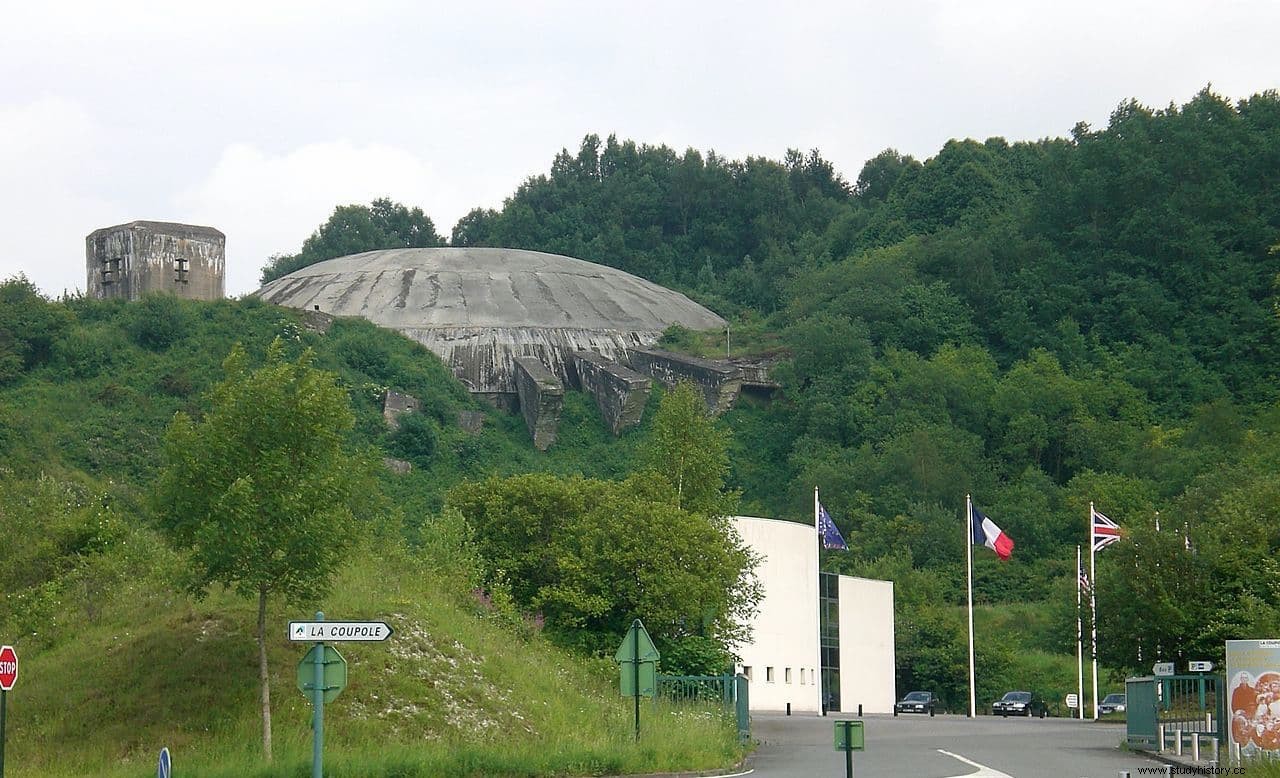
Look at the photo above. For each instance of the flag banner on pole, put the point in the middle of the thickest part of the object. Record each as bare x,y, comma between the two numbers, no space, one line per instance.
1105,531
986,533
831,537
1084,579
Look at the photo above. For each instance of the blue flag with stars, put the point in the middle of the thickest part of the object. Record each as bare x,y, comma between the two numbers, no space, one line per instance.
831,537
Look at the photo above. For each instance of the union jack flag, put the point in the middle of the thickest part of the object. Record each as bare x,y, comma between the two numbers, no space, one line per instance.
1084,580
1105,531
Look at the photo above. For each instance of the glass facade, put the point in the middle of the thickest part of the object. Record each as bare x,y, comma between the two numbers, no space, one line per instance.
829,636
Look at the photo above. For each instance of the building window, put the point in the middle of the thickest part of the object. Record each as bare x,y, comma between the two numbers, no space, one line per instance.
746,670
828,677
802,676
110,270
181,267
768,675
786,674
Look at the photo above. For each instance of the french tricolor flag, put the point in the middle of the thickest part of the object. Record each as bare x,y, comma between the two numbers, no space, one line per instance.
986,533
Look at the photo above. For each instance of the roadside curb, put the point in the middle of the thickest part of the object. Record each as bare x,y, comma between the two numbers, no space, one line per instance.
742,768
1174,761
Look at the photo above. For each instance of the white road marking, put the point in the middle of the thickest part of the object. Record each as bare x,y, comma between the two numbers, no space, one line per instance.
983,770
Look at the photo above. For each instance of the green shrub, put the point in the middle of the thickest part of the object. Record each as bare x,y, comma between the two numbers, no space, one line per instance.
157,321
85,352
416,439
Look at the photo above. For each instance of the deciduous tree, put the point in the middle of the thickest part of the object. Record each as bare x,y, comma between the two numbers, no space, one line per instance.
263,491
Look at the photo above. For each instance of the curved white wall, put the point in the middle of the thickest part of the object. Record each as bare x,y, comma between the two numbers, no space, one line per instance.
785,634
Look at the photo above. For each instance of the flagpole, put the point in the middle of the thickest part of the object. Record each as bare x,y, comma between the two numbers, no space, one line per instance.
817,566
1093,610
968,546
1079,643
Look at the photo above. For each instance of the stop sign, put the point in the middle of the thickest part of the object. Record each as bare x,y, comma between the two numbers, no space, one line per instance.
8,667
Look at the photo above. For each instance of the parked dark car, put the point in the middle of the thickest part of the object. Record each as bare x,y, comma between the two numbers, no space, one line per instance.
917,702
1020,704
1112,703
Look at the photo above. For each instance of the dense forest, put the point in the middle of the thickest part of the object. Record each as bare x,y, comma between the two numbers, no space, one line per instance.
1043,325
1039,324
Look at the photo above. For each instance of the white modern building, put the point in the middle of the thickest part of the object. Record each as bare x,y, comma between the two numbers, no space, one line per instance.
814,638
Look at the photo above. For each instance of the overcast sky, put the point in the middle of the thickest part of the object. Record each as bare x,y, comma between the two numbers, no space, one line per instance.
259,117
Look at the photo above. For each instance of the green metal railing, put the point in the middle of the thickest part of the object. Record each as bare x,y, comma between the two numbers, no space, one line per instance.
727,690
1190,703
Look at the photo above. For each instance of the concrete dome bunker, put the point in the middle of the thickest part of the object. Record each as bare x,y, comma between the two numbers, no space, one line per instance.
512,323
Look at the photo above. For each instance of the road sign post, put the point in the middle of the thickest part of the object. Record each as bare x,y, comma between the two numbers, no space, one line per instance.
165,768
339,631
8,677
641,676
322,675
849,738
317,708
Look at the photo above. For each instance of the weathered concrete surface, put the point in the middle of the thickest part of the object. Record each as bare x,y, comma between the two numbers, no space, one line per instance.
719,382
503,401
395,404
317,322
397,466
479,308
541,400
755,374
129,260
471,422
620,392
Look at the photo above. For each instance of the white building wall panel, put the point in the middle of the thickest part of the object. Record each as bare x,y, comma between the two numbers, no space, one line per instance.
866,645
783,653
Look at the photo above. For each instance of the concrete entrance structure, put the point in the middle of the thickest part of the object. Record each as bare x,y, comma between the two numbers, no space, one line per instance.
783,661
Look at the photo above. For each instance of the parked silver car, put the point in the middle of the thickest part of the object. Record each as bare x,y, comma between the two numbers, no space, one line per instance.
1112,703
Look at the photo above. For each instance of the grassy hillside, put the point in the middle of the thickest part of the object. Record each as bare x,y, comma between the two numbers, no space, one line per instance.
117,660
456,691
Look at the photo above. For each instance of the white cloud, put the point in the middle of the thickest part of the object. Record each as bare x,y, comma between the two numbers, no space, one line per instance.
269,203
259,118
53,193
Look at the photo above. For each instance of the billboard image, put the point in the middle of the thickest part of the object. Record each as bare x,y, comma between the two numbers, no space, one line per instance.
1253,695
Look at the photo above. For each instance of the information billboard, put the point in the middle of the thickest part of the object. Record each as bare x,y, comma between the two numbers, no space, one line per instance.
1253,695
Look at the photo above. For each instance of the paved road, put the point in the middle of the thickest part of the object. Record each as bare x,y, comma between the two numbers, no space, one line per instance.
912,746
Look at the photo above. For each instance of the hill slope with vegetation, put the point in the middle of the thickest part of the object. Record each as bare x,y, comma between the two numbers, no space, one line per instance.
118,659
1041,325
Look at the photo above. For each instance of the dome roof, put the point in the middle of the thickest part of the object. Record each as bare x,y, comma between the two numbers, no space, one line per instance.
478,308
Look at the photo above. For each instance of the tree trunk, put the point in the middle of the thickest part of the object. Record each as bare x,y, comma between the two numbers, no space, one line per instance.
263,678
